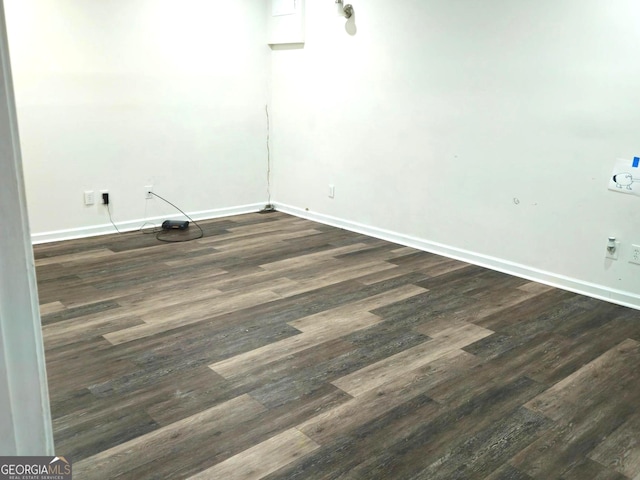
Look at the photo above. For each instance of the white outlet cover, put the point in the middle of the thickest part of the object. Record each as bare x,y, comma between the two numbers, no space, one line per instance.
614,255
634,255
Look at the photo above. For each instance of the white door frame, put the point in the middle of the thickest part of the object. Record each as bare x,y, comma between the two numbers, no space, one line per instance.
25,416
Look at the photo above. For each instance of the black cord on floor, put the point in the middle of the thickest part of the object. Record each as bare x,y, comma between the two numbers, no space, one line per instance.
154,228
165,238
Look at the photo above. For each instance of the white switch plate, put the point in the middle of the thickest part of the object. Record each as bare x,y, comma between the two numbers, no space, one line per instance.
89,197
332,191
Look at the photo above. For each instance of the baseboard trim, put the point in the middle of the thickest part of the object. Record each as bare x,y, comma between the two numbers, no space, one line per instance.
601,292
133,225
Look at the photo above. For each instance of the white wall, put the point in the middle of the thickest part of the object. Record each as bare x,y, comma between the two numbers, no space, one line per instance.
435,115
483,130
116,95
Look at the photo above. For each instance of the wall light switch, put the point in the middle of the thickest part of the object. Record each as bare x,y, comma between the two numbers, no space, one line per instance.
89,197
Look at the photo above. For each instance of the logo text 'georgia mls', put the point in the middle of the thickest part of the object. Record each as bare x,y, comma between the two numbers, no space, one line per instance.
35,468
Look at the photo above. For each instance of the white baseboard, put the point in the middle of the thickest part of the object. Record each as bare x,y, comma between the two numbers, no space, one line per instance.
132,225
601,292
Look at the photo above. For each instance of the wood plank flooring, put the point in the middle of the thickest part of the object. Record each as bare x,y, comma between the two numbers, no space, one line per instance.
278,348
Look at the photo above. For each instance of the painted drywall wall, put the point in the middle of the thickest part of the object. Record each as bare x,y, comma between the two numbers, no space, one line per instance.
484,129
122,94
25,420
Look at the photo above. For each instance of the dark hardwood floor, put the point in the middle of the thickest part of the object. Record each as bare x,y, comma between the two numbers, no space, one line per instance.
278,348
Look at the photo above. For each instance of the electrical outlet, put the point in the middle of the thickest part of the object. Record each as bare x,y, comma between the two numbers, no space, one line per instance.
105,196
613,255
89,197
332,191
634,256
148,189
